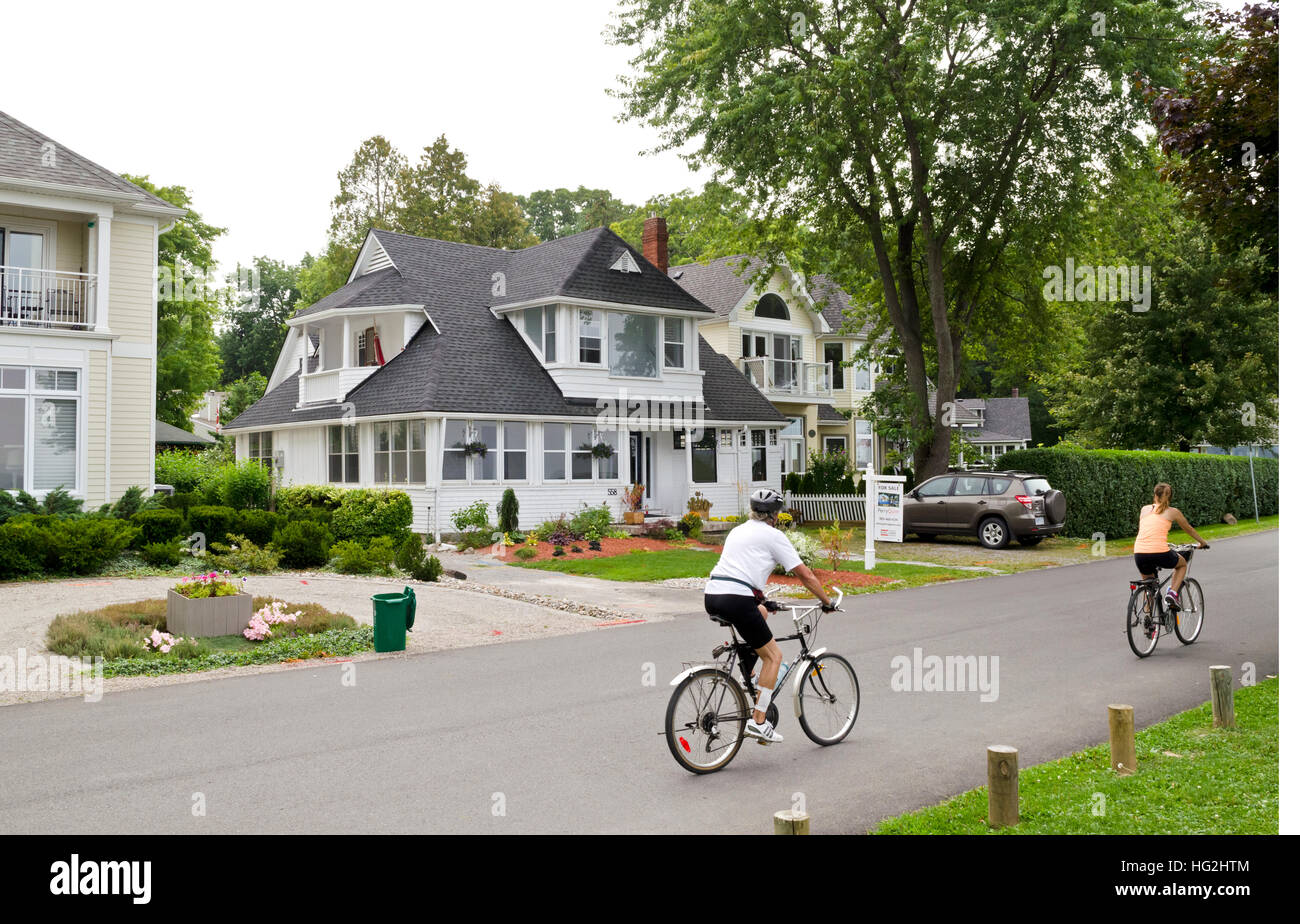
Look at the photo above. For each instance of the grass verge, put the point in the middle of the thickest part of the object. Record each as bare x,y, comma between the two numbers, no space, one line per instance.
1191,779
683,563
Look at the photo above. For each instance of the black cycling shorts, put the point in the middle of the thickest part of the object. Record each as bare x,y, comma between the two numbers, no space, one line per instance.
1148,562
742,612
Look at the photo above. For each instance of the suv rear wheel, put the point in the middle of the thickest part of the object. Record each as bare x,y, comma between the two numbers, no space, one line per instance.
993,533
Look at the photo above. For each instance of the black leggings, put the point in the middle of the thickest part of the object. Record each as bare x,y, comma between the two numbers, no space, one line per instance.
742,612
1148,562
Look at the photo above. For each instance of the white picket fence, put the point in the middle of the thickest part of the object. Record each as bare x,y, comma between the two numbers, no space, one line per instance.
847,508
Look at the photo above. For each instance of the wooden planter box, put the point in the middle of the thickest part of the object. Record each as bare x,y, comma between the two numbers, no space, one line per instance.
634,516
204,617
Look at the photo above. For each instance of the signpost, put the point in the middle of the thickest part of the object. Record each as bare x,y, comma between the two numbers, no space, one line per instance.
884,513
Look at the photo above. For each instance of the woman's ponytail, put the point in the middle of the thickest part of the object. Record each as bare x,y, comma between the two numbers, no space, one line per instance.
1162,495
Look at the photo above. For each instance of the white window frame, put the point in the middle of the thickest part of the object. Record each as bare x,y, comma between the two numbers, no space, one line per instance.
843,440
657,339
412,425
599,317
31,394
666,342
343,453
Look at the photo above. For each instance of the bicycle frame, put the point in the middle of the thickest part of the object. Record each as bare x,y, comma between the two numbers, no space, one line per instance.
1156,583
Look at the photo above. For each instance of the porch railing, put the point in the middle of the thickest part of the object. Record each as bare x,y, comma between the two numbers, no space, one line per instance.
46,298
787,376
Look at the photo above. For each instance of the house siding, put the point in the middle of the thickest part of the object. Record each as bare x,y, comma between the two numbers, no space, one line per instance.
96,429
132,424
131,282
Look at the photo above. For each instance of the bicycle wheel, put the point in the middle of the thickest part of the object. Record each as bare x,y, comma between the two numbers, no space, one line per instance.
705,721
1188,620
1142,623
827,699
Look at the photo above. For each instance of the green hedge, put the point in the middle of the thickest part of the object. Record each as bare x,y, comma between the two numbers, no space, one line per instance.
32,544
1105,488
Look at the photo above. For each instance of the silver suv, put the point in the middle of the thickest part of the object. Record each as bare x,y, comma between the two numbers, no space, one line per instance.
995,507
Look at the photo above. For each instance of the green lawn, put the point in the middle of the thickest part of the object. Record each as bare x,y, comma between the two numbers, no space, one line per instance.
1191,779
684,563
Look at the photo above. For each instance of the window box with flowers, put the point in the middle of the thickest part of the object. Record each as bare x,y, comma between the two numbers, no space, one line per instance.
208,605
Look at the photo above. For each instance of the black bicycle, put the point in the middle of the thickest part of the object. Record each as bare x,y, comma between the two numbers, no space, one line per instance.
1149,617
705,722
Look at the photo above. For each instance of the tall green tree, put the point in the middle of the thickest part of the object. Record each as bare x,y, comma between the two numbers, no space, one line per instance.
188,360
369,193
556,213
701,226
938,142
438,196
241,395
1219,124
257,305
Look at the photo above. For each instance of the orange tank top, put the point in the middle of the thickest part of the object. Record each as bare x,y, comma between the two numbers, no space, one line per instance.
1153,533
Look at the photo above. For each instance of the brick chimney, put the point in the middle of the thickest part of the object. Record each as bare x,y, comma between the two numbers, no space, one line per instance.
1015,392
654,242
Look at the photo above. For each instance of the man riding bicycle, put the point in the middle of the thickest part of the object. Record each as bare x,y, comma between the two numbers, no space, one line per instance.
735,593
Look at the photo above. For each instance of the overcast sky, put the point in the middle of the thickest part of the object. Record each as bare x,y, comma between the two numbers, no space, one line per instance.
255,107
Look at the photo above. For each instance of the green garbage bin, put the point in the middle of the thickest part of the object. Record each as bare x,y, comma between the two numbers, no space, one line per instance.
394,616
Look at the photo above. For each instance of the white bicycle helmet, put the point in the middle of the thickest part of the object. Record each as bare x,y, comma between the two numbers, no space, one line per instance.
765,500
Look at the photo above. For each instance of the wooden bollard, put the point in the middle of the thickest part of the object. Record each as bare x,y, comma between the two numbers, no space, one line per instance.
790,822
1221,696
1123,744
1004,786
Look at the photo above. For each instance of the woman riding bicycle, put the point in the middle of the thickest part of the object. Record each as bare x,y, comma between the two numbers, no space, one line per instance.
1151,549
735,591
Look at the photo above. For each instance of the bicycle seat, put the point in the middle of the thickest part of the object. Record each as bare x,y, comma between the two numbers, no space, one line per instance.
719,620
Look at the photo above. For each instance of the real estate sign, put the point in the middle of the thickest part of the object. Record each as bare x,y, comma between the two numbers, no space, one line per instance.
888,499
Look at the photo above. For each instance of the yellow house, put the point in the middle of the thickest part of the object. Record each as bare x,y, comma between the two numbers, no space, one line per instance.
78,321
788,335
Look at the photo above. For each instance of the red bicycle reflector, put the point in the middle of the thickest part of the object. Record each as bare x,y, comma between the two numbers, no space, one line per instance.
1132,587
685,745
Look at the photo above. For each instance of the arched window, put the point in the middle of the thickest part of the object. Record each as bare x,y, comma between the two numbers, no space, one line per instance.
771,306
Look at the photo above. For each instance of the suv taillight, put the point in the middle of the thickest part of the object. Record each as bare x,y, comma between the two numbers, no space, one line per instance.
1026,500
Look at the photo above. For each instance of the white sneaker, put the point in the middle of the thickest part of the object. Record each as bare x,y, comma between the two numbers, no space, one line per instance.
764,734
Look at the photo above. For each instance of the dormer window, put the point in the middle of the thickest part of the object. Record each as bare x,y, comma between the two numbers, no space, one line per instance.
772,306
539,327
674,343
589,336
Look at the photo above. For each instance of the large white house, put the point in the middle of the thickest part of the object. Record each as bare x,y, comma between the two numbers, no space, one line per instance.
566,371
78,321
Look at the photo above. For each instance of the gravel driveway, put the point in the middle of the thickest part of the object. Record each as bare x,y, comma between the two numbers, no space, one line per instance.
448,614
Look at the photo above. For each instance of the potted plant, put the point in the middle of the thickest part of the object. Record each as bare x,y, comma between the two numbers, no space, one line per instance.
476,448
602,451
699,504
632,500
209,604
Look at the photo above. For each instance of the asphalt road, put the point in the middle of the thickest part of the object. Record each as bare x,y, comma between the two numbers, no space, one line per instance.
560,734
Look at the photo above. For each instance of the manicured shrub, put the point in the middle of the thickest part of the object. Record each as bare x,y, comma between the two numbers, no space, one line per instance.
258,525
691,525
591,521
244,485
367,514
508,512
129,503
182,501
477,539
473,517
353,557
60,503
215,523
660,529
22,547
525,553
162,554
83,545
298,497
159,525
411,558
242,556
303,543
1105,488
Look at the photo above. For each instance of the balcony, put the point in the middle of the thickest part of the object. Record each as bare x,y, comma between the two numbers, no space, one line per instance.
39,298
788,379
331,384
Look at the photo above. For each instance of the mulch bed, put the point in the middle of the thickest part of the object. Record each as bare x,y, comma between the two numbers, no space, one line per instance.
608,548
835,578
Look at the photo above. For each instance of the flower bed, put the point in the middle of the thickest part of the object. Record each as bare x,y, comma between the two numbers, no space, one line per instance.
608,548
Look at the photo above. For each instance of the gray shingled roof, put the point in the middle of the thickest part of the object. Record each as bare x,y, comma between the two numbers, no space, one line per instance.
1006,420
828,414
721,283
167,435
25,154
479,369
443,274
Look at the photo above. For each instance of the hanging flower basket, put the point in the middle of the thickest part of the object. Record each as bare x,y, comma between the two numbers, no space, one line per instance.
476,448
602,451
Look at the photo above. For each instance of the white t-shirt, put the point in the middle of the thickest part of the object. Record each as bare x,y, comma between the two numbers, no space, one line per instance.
752,550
